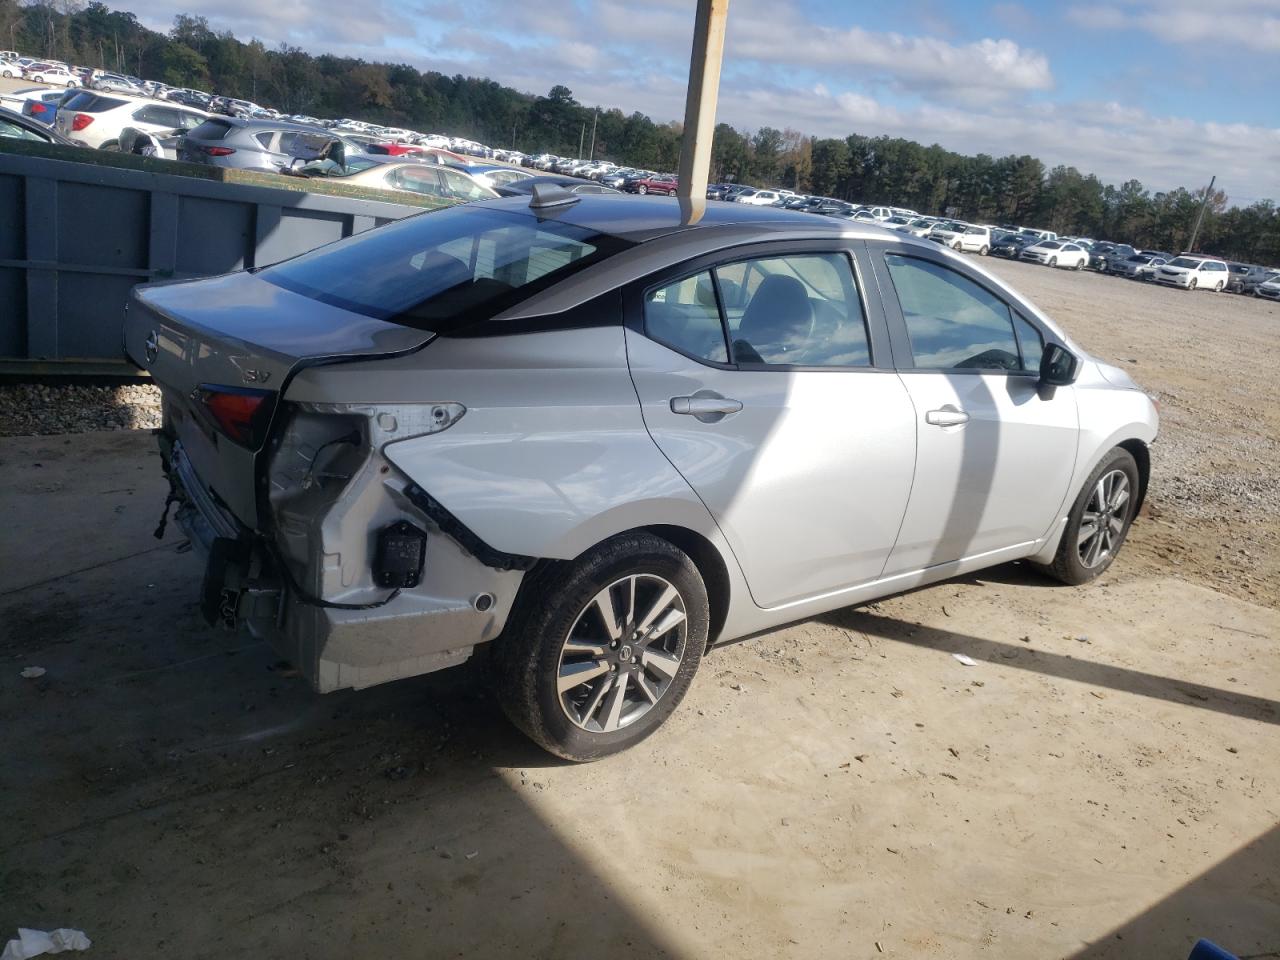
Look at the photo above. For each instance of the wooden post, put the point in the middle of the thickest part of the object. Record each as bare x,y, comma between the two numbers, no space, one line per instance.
700,107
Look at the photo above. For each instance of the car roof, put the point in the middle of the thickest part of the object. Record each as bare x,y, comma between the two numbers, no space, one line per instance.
641,218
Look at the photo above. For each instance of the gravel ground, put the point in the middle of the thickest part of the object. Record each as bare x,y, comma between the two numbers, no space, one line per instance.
33,409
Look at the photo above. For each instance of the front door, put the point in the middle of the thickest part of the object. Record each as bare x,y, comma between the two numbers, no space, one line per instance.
756,380
995,452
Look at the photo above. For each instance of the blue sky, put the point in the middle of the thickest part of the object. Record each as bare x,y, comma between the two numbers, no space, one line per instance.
1167,92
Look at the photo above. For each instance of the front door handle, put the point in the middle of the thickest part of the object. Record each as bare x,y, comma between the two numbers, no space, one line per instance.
705,406
946,417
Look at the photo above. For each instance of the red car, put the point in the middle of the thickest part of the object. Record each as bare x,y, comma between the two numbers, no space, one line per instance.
662,186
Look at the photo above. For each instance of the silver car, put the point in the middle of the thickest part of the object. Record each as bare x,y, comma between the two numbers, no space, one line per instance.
246,144
594,440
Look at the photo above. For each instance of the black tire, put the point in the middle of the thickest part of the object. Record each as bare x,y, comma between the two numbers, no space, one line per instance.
1067,565
983,250
1053,261
642,189
1218,287
527,657
1192,285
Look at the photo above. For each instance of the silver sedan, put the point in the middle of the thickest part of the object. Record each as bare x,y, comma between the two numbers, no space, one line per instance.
597,437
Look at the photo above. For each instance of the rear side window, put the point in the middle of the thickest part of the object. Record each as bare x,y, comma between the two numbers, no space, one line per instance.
211,130
444,270
953,323
684,315
87,102
801,310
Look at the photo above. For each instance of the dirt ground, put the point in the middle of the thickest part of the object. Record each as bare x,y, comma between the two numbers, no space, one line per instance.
1104,783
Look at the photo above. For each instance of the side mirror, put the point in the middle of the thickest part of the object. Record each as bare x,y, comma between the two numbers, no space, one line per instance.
1059,367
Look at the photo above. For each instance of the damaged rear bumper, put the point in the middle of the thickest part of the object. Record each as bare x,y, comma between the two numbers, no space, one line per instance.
460,601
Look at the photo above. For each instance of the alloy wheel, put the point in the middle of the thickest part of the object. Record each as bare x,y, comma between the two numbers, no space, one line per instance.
1103,520
622,653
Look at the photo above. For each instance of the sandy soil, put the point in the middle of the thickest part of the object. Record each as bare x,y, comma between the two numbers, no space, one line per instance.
1103,783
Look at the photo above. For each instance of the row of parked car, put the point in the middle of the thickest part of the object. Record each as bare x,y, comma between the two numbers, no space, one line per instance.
116,112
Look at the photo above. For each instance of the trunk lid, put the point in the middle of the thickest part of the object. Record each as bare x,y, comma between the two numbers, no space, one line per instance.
243,333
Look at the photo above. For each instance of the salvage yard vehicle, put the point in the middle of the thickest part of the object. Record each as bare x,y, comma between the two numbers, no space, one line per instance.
1191,272
593,440
1055,253
97,119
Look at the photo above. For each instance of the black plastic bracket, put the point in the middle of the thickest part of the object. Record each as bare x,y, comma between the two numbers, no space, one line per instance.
466,538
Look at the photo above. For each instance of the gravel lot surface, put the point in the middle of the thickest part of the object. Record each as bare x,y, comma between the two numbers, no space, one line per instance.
1101,784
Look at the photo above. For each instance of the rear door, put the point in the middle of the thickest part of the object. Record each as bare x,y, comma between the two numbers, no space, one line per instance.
995,451
765,378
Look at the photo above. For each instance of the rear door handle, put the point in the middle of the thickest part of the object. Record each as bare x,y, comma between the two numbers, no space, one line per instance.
946,417
705,406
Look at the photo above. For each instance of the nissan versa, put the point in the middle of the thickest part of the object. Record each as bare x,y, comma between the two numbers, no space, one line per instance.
600,440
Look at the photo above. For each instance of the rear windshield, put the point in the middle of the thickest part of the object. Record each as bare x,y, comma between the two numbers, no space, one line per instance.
445,270
87,102
210,130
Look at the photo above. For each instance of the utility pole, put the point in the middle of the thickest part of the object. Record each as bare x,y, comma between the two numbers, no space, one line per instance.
700,107
594,119
582,136
1200,217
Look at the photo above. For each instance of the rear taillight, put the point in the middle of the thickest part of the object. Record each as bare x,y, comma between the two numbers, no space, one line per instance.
219,151
241,413
80,121
38,108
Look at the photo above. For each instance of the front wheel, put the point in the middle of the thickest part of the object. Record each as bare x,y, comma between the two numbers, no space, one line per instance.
1099,520
1053,261
956,247
1192,284
600,650
1079,265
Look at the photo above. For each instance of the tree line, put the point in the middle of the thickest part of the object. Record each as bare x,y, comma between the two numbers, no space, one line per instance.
859,168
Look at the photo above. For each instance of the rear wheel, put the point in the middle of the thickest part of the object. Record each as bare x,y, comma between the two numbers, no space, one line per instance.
983,250
1099,520
1218,287
1192,284
642,189
600,651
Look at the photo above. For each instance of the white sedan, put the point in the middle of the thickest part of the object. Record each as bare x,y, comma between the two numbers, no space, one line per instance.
1055,253
56,75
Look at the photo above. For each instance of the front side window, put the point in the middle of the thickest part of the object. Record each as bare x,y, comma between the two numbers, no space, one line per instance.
444,270
1031,342
953,323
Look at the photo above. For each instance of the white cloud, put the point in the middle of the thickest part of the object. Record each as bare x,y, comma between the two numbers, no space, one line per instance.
780,33
1251,24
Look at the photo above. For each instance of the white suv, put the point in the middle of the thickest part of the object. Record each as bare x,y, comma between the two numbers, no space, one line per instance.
1192,272
974,239
761,198
96,119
